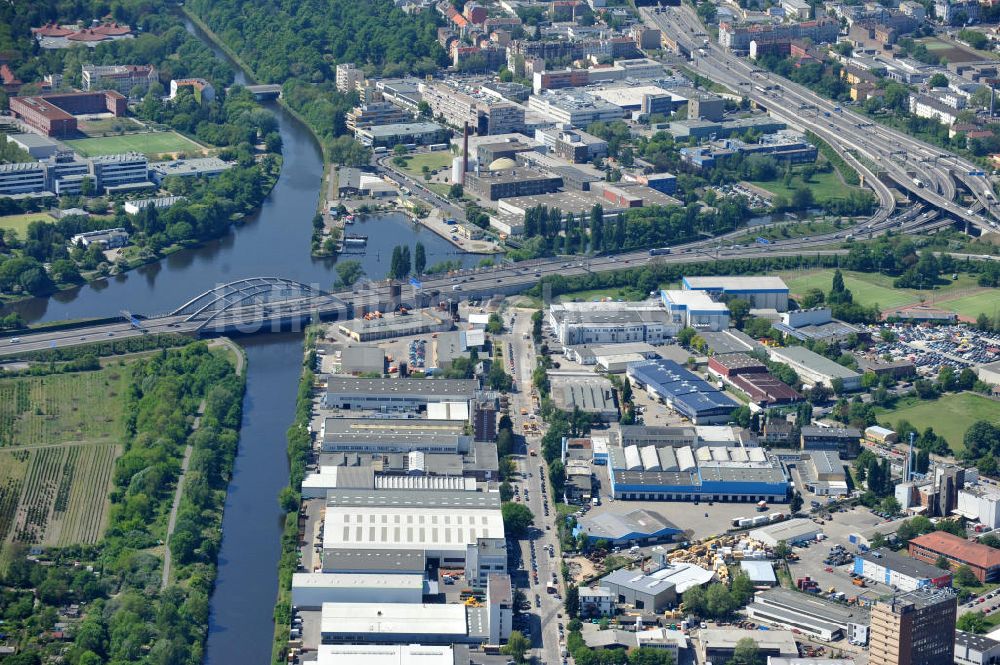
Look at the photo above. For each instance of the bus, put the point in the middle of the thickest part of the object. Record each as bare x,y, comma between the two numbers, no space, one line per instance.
438,146
659,252
380,150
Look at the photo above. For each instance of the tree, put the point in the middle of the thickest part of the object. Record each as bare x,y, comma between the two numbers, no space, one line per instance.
685,336
746,652
973,622
456,191
695,601
938,81
348,272
965,577
288,500
516,518
738,310
87,187
517,646
419,258
572,602
981,439
796,502
399,150
494,325
782,550
890,505
942,562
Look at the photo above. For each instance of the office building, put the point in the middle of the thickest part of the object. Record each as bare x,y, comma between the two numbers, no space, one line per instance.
914,628
375,113
123,78
197,167
351,393
900,572
55,114
574,107
844,440
22,178
703,106
816,324
695,309
983,560
484,558
349,78
116,173
761,292
610,322
202,90
572,145
402,133
692,397
500,607
813,368
458,104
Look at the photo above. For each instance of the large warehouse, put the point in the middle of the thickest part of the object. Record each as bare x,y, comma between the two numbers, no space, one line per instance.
413,623
898,571
394,435
813,368
684,392
637,527
356,394
760,291
641,591
810,615
311,590
611,322
716,473
791,531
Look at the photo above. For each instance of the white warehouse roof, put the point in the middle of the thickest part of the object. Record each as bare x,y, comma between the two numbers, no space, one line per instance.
385,654
396,527
392,618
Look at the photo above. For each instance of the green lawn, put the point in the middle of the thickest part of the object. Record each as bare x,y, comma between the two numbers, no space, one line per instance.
874,288
986,302
600,294
959,411
20,223
868,289
108,125
824,186
152,143
434,161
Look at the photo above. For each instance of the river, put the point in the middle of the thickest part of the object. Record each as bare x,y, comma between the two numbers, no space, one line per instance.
273,242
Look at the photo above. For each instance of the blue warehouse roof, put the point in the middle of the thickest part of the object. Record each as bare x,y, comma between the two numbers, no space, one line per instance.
688,393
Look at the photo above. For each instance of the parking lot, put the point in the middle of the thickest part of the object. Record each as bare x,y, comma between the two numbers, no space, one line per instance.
930,349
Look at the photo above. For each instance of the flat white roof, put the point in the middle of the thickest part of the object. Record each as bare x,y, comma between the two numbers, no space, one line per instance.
392,619
684,576
395,527
384,654
631,95
698,301
356,581
736,283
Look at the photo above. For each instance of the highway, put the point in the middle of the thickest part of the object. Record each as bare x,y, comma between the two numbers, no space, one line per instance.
896,153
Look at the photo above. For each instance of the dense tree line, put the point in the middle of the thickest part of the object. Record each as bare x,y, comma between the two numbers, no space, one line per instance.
128,619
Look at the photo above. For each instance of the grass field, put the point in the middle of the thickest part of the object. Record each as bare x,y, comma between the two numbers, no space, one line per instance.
108,125
434,161
962,296
61,408
824,186
20,223
953,52
601,294
962,410
152,143
59,438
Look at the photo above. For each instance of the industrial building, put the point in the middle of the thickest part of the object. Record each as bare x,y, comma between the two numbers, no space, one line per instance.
402,133
361,359
668,473
761,573
417,322
750,376
356,394
881,435
574,107
695,309
393,435
762,292
982,559
692,397
816,324
39,147
796,530
444,526
823,474
587,392
610,322
387,654
813,368
636,527
311,590
641,591
914,628
717,645
196,167
813,616
503,179
900,572
845,440
413,623
972,649
980,503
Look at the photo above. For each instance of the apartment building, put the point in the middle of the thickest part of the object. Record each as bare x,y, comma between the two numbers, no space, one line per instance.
123,78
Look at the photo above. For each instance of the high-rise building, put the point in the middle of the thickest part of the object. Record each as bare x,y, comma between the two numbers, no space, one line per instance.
349,78
914,628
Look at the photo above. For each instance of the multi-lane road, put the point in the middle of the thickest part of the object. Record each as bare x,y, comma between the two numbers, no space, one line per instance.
895,153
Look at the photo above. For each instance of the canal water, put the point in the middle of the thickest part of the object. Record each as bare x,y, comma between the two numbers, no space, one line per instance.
273,242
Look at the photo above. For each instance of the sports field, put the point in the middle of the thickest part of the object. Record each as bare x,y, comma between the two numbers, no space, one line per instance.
151,143
986,302
107,126
962,410
20,223
953,52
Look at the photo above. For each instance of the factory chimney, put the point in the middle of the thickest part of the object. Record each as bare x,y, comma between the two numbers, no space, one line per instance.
465,150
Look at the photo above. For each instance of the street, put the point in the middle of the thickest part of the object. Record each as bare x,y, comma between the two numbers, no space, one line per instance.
541,548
